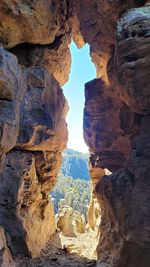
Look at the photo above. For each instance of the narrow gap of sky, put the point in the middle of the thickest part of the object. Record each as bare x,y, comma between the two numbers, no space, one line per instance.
82,71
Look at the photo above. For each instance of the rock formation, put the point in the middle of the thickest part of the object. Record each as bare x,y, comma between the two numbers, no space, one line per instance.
37,22
55,57
116,120
33,134
72,201
116,129
5,254
70,222
94,215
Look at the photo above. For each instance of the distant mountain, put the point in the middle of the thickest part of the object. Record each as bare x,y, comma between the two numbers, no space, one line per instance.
75,164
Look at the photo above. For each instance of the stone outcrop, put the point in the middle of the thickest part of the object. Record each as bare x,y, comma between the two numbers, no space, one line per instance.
94,215
124,213
70,222
72,201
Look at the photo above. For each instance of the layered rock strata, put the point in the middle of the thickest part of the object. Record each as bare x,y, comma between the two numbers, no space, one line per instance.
116,128
33,135
32,119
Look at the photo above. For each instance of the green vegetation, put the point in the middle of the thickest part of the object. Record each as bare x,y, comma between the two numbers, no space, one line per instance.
75,164
72,192
73,185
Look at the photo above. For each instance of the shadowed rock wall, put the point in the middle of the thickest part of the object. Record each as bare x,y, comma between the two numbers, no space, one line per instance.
116,128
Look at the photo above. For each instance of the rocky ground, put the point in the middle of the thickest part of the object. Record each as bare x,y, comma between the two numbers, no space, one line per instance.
57,254
83,244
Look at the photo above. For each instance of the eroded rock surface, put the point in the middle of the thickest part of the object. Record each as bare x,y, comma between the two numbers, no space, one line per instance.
38,22
55,57
24,198
108,126
6,259
116,120
43,111
125,211
132,59
94,215
70,222
116,128
34,108
94,22
11,93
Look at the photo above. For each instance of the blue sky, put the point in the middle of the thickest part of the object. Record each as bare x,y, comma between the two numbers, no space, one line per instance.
82,71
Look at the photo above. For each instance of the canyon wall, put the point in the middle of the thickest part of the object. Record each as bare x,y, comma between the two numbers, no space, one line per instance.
117,131
34,63
33,110
33,134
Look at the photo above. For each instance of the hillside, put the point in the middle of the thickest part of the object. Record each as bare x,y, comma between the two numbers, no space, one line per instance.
72,192
75,164
73,182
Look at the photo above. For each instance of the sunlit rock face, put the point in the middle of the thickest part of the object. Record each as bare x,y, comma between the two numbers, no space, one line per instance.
34,108
94,215
70,222
32,119
33,111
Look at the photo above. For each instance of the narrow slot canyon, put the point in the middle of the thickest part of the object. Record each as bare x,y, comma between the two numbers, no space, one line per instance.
71,195
35,63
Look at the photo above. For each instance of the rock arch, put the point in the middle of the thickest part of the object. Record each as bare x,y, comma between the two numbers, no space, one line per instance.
116,120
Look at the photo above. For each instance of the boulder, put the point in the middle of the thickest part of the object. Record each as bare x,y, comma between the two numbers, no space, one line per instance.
70,222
